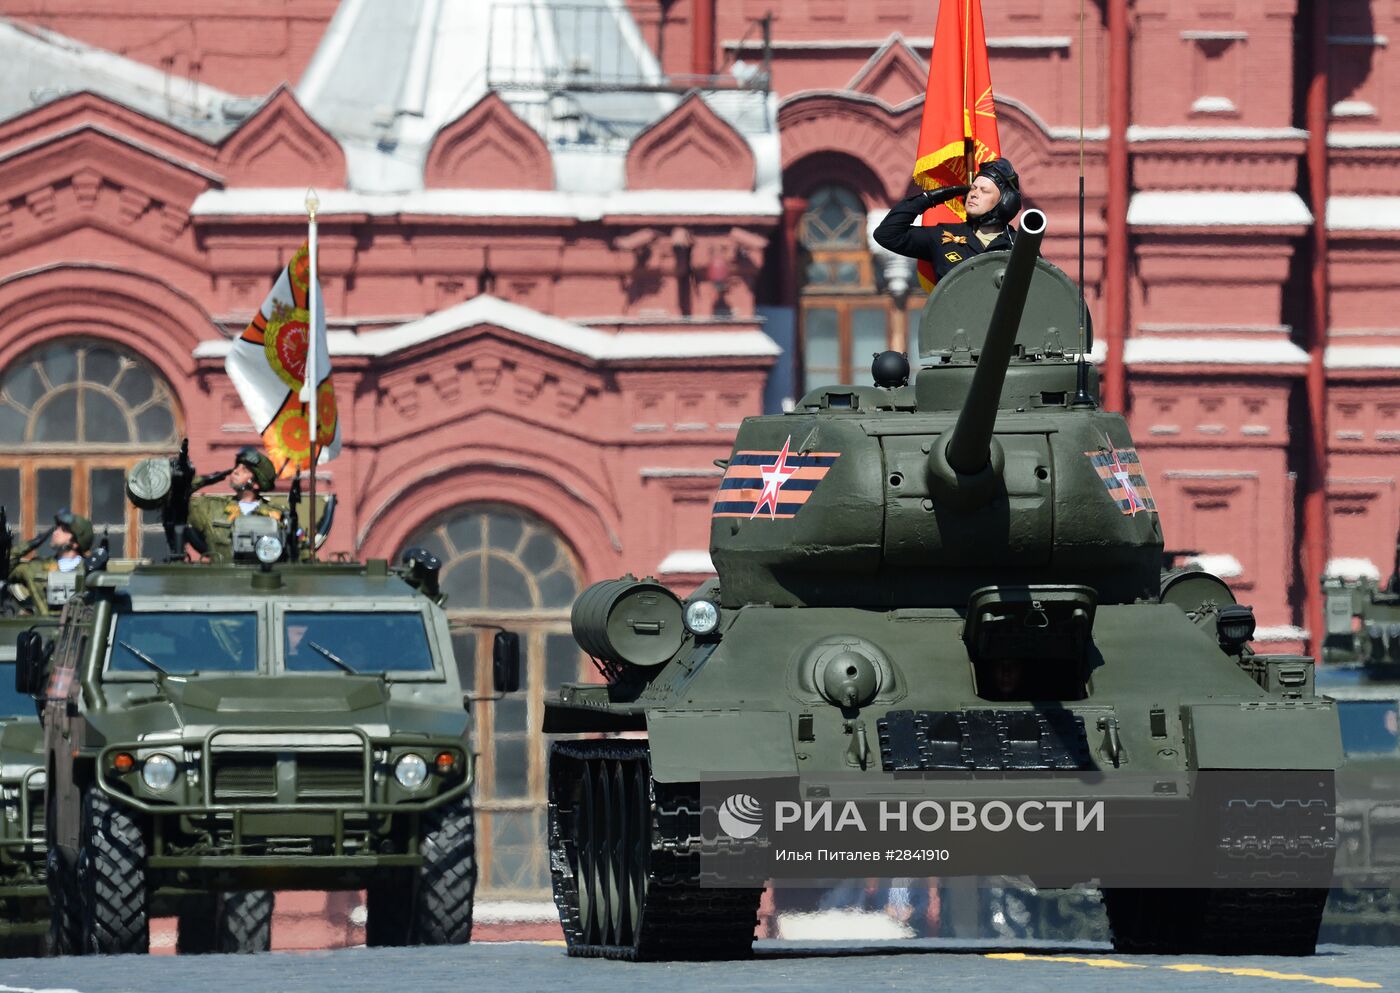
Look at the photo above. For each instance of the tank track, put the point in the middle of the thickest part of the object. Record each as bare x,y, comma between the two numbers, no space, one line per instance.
1230,921
1274,859
625,859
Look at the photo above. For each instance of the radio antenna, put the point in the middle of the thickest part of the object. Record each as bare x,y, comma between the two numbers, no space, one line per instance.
1082,396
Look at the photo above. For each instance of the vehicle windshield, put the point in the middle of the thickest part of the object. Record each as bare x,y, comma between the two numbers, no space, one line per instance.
13,703
356,642
182,642
1370,727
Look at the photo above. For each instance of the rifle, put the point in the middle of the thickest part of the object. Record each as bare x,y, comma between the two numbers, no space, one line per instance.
7,541
175,512
293,520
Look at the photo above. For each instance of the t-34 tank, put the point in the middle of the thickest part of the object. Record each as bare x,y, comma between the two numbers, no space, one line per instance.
944,595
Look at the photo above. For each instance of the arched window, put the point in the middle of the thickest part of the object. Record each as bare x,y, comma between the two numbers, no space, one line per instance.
74,415
504,566
846,317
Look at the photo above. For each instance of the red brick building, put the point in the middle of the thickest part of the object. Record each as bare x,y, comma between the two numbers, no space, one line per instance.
566,246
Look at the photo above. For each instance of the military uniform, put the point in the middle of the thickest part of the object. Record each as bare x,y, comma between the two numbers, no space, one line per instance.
213,516
29,581
32,578
942,245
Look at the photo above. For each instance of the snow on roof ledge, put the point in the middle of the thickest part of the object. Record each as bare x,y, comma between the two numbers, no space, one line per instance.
686,561
1216,208
1361,357
1363,214
1211,351
290,202
1346,568
1224,566
1139,132
598,345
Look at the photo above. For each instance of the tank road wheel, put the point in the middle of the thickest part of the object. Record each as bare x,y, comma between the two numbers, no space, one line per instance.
432,905
226,923
1229,921
111,879
623,890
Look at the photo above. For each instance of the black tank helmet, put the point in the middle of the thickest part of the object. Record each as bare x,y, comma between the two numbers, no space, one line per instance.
1003,173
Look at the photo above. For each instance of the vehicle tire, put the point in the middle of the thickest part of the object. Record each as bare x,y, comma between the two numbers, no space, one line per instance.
226,923
243,923
432,906
111,879
65,923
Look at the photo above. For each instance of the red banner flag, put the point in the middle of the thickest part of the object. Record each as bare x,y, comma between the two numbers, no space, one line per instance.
959,129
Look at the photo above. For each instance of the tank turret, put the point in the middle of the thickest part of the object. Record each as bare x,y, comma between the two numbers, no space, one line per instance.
989,468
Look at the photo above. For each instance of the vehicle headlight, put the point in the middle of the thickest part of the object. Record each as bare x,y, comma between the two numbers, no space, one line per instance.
39,780
158,772
268,549
701,617
411,771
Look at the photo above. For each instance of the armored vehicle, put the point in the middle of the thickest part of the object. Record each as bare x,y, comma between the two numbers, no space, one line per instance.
942,593
24,899
1362,652
215,732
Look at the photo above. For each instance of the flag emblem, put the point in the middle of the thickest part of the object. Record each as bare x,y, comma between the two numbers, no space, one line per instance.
773,485
958,131
1121,472
267,364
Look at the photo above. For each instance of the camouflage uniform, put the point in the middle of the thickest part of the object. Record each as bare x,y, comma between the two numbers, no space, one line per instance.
213,517
33,576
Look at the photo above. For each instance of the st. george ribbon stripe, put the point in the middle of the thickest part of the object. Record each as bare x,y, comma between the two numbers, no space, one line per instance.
793,461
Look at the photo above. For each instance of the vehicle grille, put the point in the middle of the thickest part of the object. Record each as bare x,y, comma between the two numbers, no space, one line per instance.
1385,837
244,778
330,777
36,813
321,777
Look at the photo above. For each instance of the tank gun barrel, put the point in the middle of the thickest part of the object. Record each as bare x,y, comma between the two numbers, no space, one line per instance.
968,450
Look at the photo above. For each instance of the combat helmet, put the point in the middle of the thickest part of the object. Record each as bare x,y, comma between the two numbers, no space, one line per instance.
78,526
264,475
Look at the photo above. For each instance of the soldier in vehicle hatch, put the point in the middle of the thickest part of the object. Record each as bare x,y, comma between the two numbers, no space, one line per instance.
993,201
213,516
71,539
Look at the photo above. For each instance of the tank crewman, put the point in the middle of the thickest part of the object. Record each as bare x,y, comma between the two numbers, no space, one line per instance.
70,539
213,516
993,201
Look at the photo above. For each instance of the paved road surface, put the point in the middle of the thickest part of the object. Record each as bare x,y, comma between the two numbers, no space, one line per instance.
931,966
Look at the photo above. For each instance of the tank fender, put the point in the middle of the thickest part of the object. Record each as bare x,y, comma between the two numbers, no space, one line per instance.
1266,734
691,745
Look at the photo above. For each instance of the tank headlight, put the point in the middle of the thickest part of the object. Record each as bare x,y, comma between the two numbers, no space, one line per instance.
701,617
411,771
158,772
268,549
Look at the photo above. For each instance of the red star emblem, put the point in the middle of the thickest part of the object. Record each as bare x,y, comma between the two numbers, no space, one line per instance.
774,476
1120,472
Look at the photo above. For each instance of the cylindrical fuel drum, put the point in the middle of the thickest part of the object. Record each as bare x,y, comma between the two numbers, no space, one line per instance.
148,483
629,621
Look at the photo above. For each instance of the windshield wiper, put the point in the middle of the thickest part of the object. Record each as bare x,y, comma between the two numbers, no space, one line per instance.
145,659
334,658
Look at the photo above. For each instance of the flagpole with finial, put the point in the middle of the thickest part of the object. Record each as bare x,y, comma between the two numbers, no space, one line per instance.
310,392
